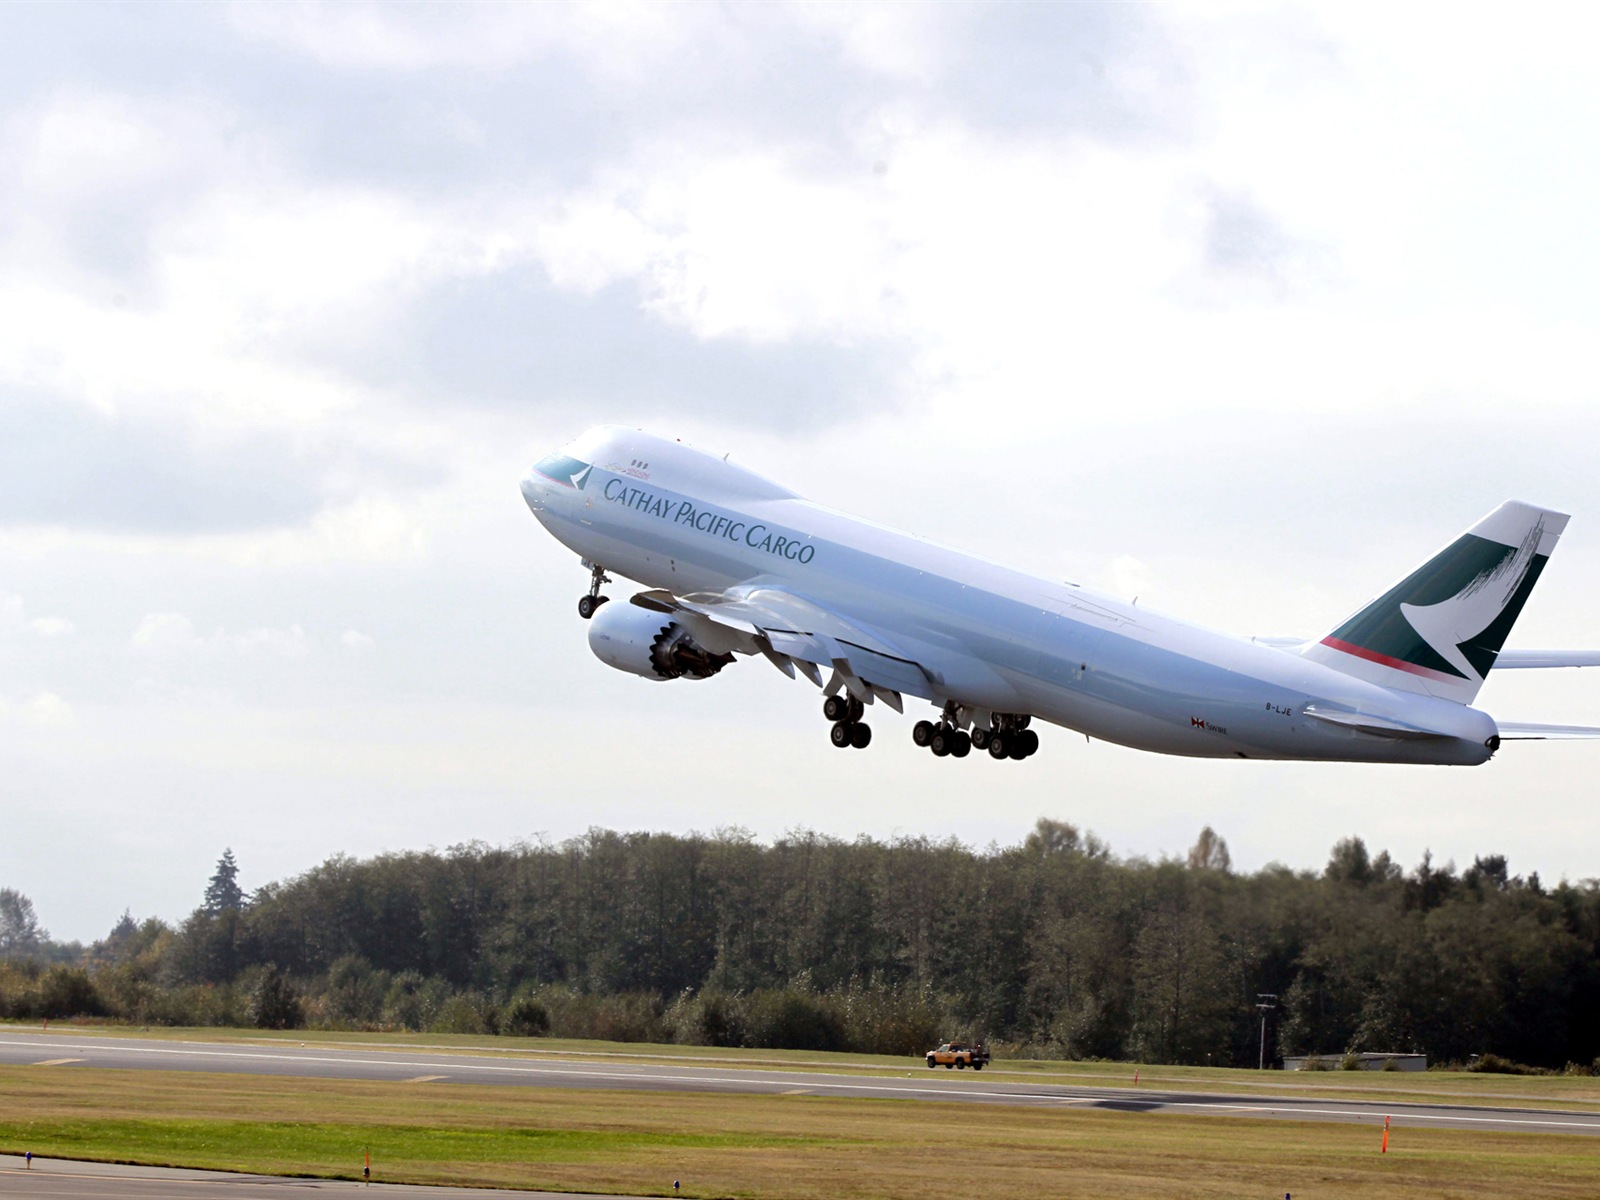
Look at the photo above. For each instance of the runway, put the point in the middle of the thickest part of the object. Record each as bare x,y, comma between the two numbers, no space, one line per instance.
72,1052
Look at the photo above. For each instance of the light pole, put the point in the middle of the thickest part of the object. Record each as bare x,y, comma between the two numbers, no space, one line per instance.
1267,1002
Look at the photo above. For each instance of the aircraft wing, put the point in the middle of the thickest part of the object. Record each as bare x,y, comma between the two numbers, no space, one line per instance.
792,631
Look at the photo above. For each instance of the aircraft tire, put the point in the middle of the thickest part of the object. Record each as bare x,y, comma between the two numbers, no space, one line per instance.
922,732
589,605
1016,750
1030,742
980,739
857,709
960,744
939,743
836,708
860,735
998,747
840,735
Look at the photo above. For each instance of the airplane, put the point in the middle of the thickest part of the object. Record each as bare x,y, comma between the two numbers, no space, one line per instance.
736,566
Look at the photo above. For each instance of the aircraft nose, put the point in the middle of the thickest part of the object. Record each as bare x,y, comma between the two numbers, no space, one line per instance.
533,492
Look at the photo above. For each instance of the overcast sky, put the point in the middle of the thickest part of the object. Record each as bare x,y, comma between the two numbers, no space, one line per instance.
1242,309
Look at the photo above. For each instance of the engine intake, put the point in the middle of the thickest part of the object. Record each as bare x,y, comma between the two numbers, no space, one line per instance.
650,645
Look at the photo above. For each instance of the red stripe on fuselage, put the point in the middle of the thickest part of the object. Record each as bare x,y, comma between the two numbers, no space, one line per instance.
1384,660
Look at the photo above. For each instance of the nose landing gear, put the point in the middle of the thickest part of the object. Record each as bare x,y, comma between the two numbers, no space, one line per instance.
591,603
848,728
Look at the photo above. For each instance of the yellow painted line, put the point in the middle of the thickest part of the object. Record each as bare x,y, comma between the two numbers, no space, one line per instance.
57,1062
425,1079
796,1092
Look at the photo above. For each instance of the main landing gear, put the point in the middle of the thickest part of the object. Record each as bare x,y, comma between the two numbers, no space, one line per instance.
944,738
848,729
591,603
1007,737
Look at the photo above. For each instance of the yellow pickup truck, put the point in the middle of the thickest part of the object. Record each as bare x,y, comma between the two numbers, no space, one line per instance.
958,1054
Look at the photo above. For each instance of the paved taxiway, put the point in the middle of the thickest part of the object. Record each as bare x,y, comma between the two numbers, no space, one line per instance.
969,1087
58,1179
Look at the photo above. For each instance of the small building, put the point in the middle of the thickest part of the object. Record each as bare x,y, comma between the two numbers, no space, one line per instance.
1365,1061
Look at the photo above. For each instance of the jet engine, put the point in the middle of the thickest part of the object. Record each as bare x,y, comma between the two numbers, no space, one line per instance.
650,644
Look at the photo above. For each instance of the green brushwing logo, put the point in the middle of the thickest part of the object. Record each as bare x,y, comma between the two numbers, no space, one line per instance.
569,472
1451,616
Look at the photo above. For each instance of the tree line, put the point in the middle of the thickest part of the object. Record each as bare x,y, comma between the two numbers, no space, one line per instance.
1053,947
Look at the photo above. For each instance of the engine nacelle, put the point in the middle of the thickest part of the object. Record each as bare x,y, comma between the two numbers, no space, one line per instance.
649,644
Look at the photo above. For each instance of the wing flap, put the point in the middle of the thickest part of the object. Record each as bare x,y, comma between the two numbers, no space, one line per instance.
784,626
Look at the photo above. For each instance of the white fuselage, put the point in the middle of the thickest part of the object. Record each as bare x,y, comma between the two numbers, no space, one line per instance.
994,638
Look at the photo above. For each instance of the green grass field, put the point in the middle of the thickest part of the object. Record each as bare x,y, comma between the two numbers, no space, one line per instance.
766,1148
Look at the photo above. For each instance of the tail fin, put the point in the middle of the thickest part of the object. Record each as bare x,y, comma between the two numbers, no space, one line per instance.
1440,629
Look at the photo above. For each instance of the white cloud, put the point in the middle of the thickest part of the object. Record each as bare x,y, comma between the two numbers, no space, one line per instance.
14,621
43,711
173,634
355,640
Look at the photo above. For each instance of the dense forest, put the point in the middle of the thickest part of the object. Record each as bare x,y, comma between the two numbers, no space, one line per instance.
1052,947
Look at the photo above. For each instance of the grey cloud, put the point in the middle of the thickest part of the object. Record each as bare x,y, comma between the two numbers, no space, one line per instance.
1065,68
513,340
550,121
61,464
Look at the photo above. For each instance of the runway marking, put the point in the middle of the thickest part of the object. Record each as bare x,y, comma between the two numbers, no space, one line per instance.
424,1079
796,1092
57,1062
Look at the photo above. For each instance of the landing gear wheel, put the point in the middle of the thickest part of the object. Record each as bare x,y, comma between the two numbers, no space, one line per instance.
1029,741
960,744
860,736
1016,750
980,739
836,708
857,709
922,732
999,746
589,605
839,735
939,743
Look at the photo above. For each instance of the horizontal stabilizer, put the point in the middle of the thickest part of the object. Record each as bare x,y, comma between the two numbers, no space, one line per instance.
1530,659
1383,727
1529,731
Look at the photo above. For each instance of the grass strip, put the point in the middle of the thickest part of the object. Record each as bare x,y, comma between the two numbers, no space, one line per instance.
794,1147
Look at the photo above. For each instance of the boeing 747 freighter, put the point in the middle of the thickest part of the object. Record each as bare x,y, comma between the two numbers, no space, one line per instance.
733,565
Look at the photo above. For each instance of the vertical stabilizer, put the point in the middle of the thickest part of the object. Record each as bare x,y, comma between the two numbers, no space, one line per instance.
1439,630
